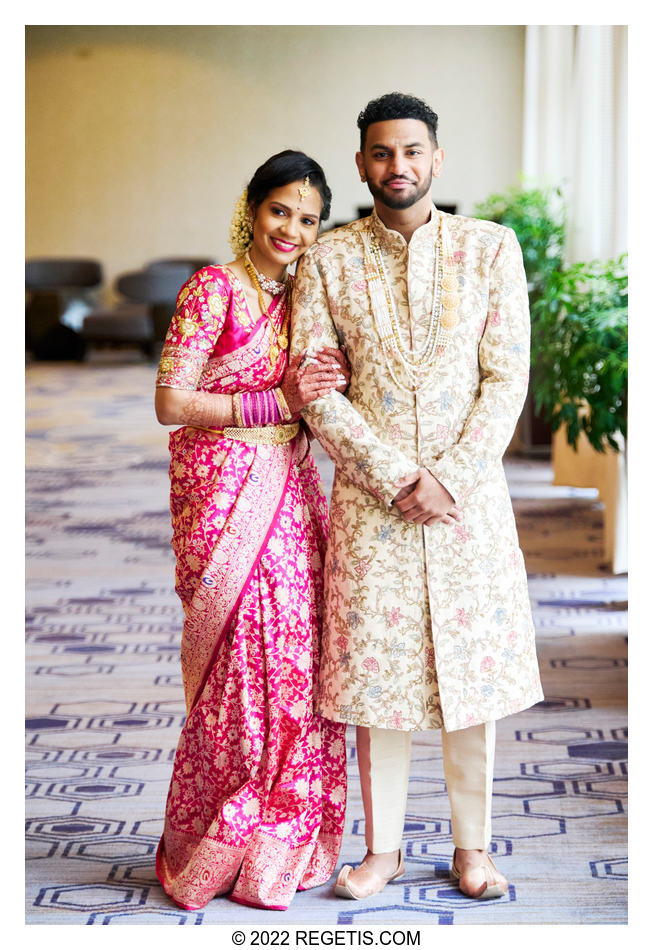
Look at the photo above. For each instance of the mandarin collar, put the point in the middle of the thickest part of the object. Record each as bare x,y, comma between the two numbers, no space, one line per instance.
425,234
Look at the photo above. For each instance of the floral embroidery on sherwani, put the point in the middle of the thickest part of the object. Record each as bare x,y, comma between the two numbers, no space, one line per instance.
425,626
256,804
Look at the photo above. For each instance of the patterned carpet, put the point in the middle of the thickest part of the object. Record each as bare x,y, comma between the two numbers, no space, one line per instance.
105,702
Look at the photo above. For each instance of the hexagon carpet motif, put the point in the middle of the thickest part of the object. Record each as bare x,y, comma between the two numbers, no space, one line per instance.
106,703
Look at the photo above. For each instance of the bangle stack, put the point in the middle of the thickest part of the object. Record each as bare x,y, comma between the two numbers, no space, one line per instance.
264,408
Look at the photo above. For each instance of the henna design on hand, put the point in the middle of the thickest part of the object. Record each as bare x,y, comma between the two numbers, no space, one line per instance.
304,382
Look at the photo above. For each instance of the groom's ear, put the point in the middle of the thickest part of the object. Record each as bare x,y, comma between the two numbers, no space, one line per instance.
438,161
360,164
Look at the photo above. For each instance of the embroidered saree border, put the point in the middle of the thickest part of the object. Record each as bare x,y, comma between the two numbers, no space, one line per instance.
263,874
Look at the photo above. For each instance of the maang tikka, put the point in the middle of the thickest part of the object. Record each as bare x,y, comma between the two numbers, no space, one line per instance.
304,189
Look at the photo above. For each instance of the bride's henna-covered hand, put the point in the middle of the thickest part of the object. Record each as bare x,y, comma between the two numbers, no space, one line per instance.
303,384
329,355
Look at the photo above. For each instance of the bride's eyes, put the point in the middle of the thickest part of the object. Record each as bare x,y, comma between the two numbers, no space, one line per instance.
281,212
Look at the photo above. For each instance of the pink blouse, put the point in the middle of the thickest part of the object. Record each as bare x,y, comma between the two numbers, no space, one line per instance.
213,342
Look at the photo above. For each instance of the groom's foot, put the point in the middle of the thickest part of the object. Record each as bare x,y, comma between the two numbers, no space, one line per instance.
371,875
384,864
477,875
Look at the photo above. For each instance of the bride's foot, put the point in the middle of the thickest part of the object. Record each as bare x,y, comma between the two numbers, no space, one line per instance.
476,874
371,875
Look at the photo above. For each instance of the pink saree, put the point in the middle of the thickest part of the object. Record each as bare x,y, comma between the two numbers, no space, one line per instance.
257,798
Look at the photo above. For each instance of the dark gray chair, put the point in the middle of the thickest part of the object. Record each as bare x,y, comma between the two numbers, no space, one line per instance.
144,314
125,324
157,287
194,263
51,283
61,273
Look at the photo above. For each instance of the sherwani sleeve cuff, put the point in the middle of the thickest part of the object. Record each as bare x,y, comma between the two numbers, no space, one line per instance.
446,475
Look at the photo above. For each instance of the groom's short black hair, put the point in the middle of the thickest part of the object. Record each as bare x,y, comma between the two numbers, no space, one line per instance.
397,105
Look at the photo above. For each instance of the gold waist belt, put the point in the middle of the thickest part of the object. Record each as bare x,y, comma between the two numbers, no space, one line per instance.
258,435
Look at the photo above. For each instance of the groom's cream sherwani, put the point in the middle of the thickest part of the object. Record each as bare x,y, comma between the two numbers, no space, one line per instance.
425,626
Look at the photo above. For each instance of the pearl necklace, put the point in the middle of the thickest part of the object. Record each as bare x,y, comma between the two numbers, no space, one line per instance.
418,364
273,287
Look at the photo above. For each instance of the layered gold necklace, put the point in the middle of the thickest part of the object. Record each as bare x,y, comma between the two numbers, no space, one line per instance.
279,339
419,363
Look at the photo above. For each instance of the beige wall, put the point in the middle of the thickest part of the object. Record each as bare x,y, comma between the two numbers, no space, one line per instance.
140,138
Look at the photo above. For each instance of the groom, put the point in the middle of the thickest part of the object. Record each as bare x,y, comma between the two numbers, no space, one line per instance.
428,621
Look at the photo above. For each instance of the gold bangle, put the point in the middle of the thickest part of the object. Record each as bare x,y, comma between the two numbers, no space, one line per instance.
237,409
286,414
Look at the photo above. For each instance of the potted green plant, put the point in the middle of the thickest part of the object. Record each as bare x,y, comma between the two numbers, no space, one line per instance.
580,351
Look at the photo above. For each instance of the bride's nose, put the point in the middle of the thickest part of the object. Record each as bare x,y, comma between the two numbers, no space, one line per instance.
291,226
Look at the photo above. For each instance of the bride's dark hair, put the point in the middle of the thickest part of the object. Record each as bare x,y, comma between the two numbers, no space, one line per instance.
283,168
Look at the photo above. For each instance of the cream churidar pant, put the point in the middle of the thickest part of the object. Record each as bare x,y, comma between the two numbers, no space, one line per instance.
384,763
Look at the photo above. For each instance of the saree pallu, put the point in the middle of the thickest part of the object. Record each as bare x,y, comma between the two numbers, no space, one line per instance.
257,798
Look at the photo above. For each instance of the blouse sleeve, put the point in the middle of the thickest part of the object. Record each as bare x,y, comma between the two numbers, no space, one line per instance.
198,320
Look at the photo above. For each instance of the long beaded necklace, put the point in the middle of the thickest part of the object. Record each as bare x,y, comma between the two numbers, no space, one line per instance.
418,364
279,335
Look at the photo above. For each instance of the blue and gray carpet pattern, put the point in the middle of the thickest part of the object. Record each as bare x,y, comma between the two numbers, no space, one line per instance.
105,703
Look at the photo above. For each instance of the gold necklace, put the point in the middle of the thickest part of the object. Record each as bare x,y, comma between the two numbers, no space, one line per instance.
280,336
418,364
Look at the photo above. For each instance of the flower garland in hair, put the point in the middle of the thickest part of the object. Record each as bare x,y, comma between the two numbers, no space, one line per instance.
240,231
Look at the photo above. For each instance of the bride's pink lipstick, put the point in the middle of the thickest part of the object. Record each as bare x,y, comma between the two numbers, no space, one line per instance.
283,246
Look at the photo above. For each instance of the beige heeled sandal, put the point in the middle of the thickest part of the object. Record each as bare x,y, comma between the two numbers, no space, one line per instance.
492,889
375,882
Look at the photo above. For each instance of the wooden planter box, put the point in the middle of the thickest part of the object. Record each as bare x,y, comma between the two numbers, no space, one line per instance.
608,472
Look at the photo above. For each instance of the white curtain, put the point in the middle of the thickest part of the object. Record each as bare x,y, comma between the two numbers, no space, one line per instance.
575,130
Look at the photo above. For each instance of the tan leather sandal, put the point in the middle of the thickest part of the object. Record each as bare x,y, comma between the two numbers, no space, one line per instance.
372,884
492,887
